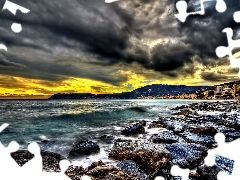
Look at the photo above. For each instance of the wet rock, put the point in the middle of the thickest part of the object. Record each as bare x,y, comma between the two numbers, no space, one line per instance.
156,124
224,164
109,139
50,160
187,155
75,172
83,147
174,124
131,167
143,122
137,128
206,172
186,112
100,171
165,171
180,107
167,137
150,157
210,131
122,140
204,140
231,136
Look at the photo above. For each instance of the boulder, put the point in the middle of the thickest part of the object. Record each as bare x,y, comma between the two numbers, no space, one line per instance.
187,155
224,164
75,172
109,139
206,172
156,124
83,147
231,136
166,137
137,128
180,107
150,157
185,112
130,166
204,140
100,171
210,131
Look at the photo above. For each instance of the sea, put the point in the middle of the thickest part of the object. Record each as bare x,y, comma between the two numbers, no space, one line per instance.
57,124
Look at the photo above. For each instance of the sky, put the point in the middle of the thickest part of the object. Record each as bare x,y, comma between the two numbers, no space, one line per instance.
69,46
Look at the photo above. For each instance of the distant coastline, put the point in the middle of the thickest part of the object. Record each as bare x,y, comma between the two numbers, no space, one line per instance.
155,91
225,91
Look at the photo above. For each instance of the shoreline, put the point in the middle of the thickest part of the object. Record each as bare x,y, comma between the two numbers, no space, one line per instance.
189,129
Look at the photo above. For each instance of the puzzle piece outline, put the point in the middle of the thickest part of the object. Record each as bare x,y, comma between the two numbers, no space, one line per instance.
181,7
33,168
13,8
222,51
227,150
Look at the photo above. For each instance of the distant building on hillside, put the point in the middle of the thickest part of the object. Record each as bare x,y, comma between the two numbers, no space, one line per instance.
229,90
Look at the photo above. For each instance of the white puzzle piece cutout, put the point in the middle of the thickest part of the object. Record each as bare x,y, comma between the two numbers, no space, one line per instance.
222,51
183,14
177,171
12,7
228,150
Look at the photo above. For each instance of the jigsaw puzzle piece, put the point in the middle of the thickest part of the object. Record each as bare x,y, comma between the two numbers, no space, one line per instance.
181,7
236,17
64,164
33,168
226,150
157,178
177,171
7,164
222,51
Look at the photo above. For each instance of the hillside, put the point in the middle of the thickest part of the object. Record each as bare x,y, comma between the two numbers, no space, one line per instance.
155,90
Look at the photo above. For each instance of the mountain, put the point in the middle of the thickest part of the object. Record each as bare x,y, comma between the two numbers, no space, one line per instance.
146,91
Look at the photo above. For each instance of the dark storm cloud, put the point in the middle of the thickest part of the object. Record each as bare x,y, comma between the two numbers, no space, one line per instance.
216,77
213,77
204,33
88,39
6,63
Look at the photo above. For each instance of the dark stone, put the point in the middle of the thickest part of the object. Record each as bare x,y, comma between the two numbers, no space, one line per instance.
187,155
206,172
204,140
130,166
180,107
100,171
156,124
231,136
167,137
210,131
107,139
150,157
137,128
75,172
185,112
224,164
83,147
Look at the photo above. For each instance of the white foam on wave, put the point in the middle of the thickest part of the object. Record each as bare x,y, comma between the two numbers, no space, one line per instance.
117,128
87,161
154,130
43,137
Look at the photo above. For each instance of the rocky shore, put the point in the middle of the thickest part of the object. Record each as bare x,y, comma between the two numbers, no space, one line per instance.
182,139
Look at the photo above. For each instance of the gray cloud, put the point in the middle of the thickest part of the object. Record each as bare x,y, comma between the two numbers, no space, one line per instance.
89,39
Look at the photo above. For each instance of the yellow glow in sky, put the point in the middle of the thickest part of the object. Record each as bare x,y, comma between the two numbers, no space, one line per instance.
23,87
